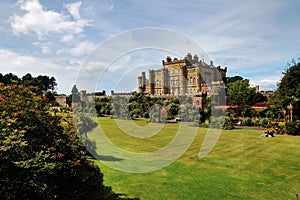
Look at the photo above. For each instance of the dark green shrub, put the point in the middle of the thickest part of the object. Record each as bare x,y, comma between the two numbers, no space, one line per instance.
217,122
228,125
256,122
263,122
146,115
197,117
293,128
247,121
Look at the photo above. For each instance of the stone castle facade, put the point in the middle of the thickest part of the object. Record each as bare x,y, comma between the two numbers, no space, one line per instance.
188,76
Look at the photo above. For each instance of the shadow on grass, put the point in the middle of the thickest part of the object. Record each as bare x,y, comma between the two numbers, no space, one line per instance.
107,158
91,148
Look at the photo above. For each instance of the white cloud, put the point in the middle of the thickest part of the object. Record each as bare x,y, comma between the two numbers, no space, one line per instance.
67,38
20,64
42,22
73,9
64,71
44,46
268,81
101,66
83,48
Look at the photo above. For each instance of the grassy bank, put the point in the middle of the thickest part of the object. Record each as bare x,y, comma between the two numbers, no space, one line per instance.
242,165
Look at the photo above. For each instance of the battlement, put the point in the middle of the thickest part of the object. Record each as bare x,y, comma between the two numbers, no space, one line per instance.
188,61
189,76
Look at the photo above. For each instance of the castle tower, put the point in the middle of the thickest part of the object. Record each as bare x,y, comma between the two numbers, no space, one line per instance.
140,84
151,82
196,59
143,81
83,96
183,81
164,79
189,58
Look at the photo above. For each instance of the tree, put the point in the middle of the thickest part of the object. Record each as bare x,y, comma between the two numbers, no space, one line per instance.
258,97
288,91
39,157
233,79
50,98
9,78
75,98
239,92
44,83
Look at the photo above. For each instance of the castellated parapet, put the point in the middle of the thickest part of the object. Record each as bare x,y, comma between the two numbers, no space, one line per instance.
187,76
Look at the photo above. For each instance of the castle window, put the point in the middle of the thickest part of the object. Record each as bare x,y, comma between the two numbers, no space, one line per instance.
191,80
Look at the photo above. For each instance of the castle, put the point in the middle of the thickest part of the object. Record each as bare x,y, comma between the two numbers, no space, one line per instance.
188,76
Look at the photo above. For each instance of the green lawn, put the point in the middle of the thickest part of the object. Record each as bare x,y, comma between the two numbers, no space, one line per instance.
242,165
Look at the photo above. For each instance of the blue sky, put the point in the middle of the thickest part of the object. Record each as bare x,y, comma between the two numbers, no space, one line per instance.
254,39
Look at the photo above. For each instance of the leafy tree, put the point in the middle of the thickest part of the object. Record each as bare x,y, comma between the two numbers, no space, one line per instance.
172,110
9,78
288,91
50,98
44,83
234,79
28,80
75,95
39,157
240,93
258,97
103,106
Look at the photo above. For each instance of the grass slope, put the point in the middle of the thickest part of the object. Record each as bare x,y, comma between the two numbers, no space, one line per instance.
242,165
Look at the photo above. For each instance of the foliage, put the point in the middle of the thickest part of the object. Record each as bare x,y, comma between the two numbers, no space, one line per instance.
263,122
75,96
258,97
290,83
173,110
288,91
247,121
217,122
240,93
243,96
103,106
120,108
272,112
146,115
43,83
229,123
158,114
234,79
50,98
39,158
292,128
141,103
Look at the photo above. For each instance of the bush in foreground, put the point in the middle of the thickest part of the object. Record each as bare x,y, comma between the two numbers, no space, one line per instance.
39,159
